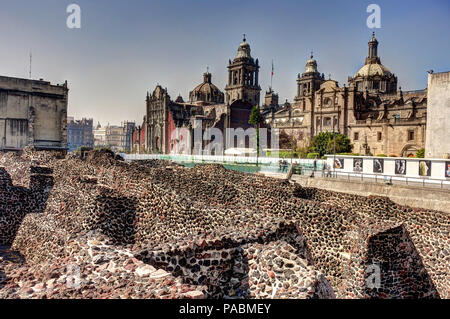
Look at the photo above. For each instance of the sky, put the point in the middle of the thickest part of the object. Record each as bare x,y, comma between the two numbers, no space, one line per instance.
124,48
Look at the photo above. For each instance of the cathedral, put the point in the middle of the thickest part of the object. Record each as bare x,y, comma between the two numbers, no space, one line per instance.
378,117
207,106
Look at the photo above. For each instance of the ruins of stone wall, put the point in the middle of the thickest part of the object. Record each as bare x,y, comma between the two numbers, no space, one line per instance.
274,264
423,233
162,209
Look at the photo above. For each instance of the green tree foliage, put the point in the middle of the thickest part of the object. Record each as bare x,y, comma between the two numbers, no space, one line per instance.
302,151
312,155
324,143
420,153
256,119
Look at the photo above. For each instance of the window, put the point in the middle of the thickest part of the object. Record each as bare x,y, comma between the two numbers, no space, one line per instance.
356,136
379,136
327,101
410,135
359,86
327,121
376,85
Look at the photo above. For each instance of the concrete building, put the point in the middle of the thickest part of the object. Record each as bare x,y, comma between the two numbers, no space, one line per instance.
79,133
128,129
32,112
99,136
438,116
117,137
376,116
114,137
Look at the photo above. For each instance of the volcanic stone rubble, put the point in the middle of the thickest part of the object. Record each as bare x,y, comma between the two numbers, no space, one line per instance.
102,228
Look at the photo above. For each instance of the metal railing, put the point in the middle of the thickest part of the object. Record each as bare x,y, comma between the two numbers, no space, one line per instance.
378,178
301,167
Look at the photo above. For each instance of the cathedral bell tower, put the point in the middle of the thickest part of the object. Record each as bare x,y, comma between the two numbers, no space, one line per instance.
243,77
309,81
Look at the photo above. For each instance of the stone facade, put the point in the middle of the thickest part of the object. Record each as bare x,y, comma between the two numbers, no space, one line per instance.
438,115
32,112
376,116
207,107
138,139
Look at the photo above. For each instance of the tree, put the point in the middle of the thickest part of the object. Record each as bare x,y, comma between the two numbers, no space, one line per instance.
324,143
420,153
286,141
256,119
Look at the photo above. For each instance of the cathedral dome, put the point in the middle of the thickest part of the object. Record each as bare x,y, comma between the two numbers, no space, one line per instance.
373,69
206,91
179,99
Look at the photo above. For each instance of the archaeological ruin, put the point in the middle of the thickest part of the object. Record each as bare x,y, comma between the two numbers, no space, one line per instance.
99,227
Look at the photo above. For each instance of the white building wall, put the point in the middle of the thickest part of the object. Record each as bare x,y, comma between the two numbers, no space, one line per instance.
438,166
437,143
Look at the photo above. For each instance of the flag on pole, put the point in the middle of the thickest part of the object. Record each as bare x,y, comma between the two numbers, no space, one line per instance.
271,77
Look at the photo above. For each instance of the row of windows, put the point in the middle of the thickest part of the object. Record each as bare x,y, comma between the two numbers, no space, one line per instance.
326,121
380,136
375,85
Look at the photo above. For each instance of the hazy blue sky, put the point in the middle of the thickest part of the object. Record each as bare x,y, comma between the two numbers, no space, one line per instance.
124,48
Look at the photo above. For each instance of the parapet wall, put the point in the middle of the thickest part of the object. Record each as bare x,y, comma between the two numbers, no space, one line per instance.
426,198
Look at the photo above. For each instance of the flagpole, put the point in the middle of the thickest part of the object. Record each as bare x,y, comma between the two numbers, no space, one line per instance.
271,76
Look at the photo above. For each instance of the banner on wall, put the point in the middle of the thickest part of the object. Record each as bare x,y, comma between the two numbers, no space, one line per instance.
425,168
447,169
357,164
378,165
339,163
400,167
